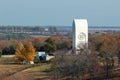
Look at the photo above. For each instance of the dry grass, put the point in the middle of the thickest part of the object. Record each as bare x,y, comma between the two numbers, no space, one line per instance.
24,72
10,71
34,72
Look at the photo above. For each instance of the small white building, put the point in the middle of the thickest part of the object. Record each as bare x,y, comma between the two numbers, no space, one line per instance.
80,33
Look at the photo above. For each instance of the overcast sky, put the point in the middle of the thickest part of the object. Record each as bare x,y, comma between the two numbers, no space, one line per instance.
59,12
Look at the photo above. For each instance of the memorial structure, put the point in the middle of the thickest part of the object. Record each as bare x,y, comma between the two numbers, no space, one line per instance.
80,34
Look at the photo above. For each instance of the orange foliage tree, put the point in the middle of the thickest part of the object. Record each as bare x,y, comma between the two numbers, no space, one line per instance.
20,52
23,53
30,52
109,44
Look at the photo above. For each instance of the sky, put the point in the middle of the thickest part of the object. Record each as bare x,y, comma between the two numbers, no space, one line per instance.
59,12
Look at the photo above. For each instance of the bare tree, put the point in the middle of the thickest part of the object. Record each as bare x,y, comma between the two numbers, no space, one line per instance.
75,66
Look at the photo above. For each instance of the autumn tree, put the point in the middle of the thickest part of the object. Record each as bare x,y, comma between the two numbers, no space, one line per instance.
23,53
118,46
30,52
108,51
109,44
97,41
20,52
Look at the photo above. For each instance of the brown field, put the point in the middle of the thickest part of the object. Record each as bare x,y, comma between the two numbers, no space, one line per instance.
24,72
13,71
10,71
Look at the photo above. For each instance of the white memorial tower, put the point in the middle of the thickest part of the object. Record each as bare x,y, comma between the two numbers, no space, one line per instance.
80,33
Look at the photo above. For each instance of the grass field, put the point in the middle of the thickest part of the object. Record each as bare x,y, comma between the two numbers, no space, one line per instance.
24,72
10,71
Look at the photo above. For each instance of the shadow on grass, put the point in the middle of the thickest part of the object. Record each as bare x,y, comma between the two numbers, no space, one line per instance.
47,70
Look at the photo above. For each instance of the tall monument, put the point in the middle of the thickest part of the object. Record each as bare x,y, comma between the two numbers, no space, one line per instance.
80,33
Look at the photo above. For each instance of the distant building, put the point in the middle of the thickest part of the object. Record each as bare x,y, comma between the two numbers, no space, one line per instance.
52,30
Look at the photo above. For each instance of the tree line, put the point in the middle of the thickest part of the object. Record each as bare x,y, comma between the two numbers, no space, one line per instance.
51,44
95,62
